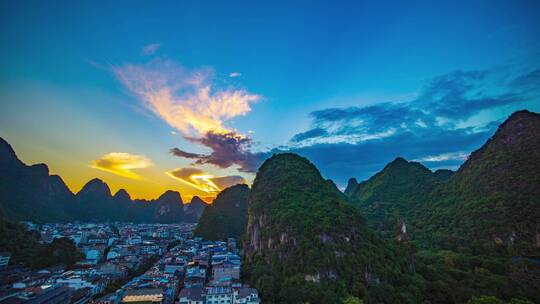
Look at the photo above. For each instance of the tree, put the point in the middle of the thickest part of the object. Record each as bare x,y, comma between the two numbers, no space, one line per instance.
485,300
352,300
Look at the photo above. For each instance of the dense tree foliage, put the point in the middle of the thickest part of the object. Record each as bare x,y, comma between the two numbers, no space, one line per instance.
25,248
226,216
495,300
476,230
305,243
390,196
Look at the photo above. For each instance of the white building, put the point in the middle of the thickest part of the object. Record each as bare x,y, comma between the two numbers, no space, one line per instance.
93,256
246,295
4,258
219,295
77,282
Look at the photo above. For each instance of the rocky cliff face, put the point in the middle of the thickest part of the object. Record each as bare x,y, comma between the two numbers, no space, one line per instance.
301,228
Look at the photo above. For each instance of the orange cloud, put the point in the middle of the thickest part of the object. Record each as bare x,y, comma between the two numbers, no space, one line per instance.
121,163
186,100
204,181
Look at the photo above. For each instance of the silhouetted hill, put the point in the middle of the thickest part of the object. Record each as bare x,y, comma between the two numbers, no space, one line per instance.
226,216
30,193
195,208
168,208
352,186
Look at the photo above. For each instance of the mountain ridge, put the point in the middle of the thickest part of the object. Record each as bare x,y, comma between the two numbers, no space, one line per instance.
305,243
29,192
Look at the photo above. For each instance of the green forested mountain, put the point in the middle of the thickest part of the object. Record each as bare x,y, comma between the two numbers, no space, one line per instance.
486,218
392,194
476,230
493,201
226,216
305,243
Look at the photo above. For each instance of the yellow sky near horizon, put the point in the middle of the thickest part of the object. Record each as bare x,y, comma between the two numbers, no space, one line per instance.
76,171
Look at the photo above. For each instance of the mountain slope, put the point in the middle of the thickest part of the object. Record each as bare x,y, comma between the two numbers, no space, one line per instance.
168,208
27,192
493,200
352,186
476,230
226,216
388,197
305,243
94,202
195,208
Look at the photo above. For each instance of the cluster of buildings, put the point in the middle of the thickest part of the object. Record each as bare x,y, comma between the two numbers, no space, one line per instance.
131,263
212,274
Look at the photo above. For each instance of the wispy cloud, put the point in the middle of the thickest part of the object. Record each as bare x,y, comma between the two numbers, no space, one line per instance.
121,164
453,114
234,74
191,102
461,156
204,181
187,100
444,104
150,49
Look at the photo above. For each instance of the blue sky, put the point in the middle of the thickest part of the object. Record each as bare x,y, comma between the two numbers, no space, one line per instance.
361,82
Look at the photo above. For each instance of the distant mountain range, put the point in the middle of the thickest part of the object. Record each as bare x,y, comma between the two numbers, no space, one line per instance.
30,193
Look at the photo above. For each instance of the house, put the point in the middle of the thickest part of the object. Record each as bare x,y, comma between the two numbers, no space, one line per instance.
34,279
193,295
219,295
134,240
94,254
77,282
246,295
143,296
4,258
112,270
225,274
113,254
174,267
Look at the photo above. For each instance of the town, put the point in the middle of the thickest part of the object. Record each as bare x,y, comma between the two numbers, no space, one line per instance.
131,263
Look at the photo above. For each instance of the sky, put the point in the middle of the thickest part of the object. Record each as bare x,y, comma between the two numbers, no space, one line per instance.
194,95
